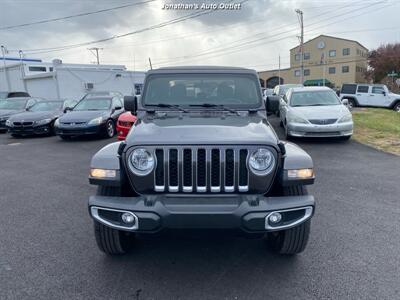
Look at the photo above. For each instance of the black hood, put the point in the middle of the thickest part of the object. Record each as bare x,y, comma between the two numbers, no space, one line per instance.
9,112
31,116
201,129
82,116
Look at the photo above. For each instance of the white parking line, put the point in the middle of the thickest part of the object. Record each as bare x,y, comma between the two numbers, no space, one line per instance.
14,144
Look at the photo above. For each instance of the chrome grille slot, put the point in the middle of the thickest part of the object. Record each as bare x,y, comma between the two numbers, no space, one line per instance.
194,169
243,173
215,171
229,170
187,171
201,170
173,171
159,173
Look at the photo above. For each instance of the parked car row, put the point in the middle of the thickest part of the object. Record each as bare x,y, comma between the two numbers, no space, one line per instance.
95,114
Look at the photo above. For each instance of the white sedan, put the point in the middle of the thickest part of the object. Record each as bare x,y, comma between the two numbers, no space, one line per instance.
314,112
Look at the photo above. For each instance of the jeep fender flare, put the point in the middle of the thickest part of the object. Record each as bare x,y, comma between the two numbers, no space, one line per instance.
107,158
293,159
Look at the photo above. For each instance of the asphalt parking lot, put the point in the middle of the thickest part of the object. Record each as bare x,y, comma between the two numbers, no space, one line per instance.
47,247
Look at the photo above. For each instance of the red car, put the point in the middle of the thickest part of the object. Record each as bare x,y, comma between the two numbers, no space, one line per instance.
124,124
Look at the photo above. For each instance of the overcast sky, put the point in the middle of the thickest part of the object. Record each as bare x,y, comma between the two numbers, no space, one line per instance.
253,36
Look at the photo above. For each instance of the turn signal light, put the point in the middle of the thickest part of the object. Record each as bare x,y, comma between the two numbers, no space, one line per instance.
103,173
301,174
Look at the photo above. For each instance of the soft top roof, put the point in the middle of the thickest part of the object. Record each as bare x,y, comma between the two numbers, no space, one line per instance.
202,69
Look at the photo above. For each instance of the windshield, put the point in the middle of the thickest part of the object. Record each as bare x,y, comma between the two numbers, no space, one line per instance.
314,98
13,104
198,89
47,106
93,104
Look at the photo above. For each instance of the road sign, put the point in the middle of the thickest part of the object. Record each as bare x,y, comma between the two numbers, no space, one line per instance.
393,74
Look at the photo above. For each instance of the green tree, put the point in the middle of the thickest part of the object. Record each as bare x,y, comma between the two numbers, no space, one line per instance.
383,61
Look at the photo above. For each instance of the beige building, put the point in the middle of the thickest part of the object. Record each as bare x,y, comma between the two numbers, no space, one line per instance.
327,59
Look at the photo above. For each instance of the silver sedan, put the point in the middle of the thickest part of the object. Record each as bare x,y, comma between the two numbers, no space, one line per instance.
314,112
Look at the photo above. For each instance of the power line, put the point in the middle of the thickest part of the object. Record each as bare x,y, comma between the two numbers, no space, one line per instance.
194,34
63,48
243,46
75,16
160,25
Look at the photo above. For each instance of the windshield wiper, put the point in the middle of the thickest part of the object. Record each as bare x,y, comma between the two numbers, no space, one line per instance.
169,106
216,106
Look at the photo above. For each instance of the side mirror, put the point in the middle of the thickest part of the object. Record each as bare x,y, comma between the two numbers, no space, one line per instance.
118,108
67,109
272,104
345,101
384,93
130,104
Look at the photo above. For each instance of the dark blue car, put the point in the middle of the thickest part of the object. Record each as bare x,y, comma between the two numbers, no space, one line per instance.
91,116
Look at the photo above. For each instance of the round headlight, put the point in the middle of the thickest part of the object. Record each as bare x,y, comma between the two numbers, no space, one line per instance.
141,162
261,161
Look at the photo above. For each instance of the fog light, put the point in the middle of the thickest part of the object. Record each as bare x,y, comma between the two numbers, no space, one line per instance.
128,218
275,218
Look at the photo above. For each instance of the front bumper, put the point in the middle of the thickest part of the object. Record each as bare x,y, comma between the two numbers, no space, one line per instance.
246,212
31,130
313,130
79,130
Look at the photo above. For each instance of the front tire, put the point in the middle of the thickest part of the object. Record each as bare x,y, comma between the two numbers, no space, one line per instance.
112,241
286,130
396,107
110,129
294,240
352,103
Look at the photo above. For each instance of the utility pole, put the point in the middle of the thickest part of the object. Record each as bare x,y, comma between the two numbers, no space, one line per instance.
3,52
279,71
96,49
21,66
300,16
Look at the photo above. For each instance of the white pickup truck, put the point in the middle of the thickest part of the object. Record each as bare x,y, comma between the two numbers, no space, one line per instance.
374,95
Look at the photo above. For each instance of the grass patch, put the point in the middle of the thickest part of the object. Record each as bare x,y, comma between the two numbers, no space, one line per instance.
379,128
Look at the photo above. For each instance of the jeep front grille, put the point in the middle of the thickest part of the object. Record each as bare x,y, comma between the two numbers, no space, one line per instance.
211,169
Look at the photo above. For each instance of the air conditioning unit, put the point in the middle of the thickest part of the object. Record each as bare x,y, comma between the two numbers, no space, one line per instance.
88,86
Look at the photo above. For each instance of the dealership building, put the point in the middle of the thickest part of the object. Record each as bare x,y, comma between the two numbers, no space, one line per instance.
58,80
327,60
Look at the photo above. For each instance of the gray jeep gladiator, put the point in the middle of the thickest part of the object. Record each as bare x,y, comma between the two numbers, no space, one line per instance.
202,155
